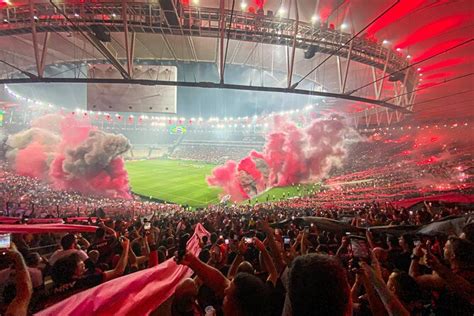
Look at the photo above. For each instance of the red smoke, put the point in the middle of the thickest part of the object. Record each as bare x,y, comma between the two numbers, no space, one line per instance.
45,159
31,161
226,177
291,155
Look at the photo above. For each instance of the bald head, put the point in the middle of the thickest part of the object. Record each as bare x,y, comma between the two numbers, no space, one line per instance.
246,267
185,295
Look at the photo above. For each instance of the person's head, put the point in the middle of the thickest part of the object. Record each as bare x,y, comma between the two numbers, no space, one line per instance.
185,295
33,259
94,255
392,241
246,295
468,232
68,241
67,269
100,233
459,251
204,239
213,238
318,286
246,267
406,242
404,287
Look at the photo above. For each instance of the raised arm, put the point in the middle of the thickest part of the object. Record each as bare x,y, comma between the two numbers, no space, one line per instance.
426,281
209,275
454,282
392,304
122,263
275,250
242,249
19,305
267,260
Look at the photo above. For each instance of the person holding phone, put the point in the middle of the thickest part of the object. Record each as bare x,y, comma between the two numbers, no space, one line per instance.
24,288
455,284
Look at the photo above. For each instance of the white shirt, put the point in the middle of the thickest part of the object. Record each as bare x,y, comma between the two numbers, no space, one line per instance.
58,254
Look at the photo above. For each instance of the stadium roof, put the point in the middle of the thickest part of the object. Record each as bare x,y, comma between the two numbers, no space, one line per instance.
414,30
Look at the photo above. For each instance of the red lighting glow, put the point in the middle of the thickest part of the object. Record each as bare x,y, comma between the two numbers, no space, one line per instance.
439,75
398,12
444,63
439,48
435,28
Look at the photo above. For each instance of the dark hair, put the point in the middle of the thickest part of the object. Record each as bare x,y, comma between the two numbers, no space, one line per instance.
32,259
468,230
213,238
392,241
63,269
406,287
100,232
318,286
250,294
204,255
67,241
463,250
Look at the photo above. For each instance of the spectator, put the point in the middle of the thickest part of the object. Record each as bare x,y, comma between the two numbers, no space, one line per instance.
318,286
69,246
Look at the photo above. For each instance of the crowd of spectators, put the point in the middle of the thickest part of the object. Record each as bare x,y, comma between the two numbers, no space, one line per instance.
258,260
212,152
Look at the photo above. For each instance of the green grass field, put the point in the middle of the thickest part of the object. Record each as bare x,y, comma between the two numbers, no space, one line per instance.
184,182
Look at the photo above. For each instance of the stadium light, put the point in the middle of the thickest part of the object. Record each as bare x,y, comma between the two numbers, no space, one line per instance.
343,26
281,11
314,19
243,5
398,49
408,56
385,42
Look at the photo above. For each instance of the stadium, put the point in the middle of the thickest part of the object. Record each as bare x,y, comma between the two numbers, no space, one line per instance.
249,143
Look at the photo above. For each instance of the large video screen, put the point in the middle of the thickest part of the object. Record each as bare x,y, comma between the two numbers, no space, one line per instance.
132,97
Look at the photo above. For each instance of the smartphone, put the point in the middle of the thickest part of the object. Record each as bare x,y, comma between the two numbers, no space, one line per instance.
286,242
147,226
236,237
306,230
248,240
5,241
360,249
226,241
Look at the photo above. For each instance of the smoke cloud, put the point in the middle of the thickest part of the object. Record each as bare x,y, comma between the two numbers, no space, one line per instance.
71,154
291,155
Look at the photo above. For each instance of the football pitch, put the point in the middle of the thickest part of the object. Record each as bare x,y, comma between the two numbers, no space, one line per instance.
184,182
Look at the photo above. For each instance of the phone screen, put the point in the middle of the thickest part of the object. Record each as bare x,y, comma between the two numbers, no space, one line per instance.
5,241
286,240
147,226
248,240
360,249
226,241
